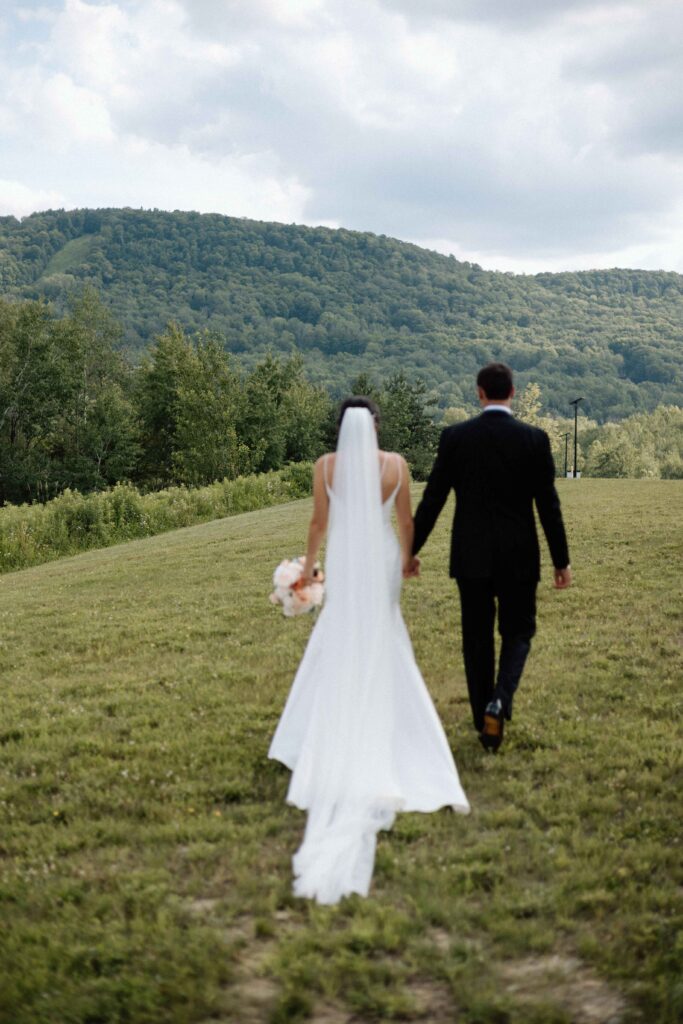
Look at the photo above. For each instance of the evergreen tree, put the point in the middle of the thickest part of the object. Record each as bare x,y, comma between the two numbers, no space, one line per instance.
30,393
157,403
209,406
66,419
94,437
407,425
286,418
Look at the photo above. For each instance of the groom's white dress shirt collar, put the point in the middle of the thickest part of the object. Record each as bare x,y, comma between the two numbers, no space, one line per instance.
497,408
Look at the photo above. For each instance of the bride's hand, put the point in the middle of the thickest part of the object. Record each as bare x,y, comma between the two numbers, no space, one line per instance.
307,577
411,568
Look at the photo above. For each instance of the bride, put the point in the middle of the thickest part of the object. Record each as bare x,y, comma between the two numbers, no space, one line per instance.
359,730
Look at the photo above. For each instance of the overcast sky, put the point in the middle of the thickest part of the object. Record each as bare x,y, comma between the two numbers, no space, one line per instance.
524,135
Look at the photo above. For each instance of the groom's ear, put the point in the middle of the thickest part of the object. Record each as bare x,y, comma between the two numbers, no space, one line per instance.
483,397
512,392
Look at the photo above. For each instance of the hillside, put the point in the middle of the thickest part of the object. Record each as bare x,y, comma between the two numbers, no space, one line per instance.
355,302
145,868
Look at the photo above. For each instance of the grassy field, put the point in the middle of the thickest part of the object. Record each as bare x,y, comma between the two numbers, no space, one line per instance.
145,843
70,256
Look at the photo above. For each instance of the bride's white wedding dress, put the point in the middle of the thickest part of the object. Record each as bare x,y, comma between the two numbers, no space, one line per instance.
359,730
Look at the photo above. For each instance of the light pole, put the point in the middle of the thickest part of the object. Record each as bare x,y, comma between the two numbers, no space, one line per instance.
566,453
575,403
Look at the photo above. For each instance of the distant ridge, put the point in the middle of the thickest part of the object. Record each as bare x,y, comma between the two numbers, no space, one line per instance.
355,302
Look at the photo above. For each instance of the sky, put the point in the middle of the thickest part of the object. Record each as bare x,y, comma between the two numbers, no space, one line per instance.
523,135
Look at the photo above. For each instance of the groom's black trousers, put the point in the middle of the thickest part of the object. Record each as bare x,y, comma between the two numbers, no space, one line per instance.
516,605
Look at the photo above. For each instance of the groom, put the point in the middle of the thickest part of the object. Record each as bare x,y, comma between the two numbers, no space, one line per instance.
498,468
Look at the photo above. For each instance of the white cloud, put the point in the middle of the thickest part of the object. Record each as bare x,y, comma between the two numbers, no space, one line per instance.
137,54
92,42
29,14
521,15
140,173
105,124
18,200
215,16
53,109
524,135
79,113
663,253
638,64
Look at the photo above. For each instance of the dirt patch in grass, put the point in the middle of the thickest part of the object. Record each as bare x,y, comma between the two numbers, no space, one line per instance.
201,907
433,1003
255,993
440,938
251,989
433,1000
328,1014
256,999
566,982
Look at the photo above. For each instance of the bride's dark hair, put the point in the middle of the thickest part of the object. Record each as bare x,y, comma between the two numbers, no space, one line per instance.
358,402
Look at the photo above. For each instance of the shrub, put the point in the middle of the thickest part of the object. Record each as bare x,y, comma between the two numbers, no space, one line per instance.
73,522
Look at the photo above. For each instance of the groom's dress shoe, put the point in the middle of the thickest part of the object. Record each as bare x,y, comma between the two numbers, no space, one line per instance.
491,735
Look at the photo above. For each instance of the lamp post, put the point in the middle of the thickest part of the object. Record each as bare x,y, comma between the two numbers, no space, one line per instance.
566,453
575,403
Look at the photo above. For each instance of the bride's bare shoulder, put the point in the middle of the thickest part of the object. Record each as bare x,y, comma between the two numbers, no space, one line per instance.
324,468
394,457
394,467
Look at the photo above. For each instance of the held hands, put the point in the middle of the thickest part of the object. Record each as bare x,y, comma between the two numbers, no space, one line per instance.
563,578
411,568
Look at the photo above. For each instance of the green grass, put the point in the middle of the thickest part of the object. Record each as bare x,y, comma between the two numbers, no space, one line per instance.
71,256
145,843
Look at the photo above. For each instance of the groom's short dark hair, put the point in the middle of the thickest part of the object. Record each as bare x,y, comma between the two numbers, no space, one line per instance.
495,380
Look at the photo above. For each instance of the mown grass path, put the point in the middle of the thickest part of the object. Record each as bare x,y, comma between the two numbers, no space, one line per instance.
145,844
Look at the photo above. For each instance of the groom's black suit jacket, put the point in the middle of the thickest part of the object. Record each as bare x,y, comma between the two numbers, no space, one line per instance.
498,468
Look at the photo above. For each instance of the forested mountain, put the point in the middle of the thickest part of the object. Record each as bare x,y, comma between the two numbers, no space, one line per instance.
356,303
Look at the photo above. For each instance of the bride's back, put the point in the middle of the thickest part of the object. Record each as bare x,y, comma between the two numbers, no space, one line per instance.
389,469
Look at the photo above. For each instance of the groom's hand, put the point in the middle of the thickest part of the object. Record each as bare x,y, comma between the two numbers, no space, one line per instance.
412,568
563,578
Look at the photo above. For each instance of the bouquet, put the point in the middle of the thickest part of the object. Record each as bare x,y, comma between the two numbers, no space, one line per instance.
288,591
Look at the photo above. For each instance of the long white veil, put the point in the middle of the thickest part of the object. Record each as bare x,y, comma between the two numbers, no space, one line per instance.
345,776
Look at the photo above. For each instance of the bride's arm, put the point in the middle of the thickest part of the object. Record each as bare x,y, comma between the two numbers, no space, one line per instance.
404,517
318,524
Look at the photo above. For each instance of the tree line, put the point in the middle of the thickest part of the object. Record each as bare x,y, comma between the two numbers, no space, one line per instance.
645,445
353,302
76,413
